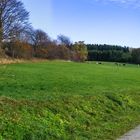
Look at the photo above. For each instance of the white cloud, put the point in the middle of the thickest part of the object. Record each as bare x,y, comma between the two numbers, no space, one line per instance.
127,3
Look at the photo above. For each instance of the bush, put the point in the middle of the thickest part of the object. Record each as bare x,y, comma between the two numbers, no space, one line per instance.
2,53
41,53
58,52
19,50
79,52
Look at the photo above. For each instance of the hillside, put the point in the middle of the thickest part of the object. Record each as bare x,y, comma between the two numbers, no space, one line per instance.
67,100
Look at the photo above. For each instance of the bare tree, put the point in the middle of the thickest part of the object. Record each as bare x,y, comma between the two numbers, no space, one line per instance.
13,19
40,38
26,35
64,40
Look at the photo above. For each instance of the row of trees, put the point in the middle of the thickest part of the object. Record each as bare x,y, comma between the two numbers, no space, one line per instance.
20,40
40,45
113,53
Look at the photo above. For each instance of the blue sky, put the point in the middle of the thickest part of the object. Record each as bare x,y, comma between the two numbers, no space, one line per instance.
93,21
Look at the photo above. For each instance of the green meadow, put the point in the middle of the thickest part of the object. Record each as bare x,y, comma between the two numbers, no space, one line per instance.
59,100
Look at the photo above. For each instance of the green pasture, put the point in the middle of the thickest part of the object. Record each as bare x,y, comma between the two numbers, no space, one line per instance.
66,100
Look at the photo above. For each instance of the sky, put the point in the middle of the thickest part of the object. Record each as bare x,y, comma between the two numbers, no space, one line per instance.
93,21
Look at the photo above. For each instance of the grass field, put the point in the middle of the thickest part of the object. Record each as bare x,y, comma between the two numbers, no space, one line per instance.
65,100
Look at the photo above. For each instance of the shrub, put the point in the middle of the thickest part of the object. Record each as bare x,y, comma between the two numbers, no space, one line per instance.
41,53
2,53
19,49
79,52
58,52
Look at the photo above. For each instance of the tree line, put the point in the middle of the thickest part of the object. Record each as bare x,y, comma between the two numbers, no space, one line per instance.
113,53
108,53
18,39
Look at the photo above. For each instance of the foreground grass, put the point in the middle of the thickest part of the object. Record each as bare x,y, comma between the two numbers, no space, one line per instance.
61,100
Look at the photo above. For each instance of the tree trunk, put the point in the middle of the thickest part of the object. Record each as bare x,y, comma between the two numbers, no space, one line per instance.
1,34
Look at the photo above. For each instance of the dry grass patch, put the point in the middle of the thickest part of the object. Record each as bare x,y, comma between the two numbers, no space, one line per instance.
10,61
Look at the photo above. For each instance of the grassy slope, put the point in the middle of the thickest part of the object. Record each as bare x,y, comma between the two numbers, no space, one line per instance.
61,100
